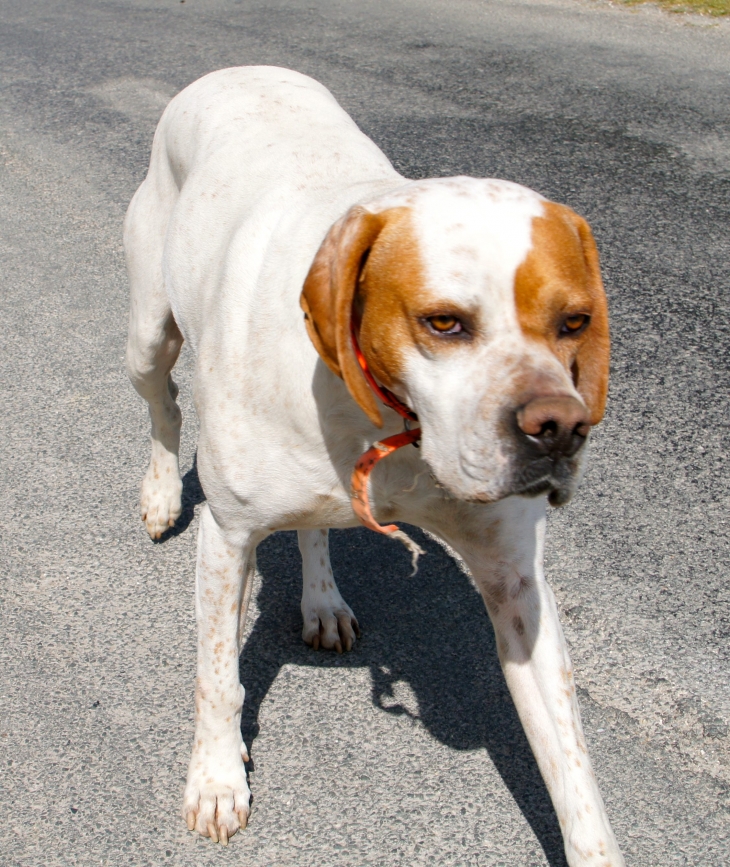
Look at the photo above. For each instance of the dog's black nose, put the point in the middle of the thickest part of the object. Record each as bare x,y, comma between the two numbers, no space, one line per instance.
554,427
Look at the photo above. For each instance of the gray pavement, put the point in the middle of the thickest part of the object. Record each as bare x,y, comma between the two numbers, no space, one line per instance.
406,751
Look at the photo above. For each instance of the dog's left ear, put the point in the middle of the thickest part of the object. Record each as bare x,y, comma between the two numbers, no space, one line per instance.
591,365
328,295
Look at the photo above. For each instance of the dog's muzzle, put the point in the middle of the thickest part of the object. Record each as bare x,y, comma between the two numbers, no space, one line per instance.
549,434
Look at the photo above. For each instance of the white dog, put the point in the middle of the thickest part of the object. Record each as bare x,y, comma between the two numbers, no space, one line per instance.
478,308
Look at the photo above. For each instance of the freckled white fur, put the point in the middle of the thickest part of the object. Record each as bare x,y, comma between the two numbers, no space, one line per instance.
249,169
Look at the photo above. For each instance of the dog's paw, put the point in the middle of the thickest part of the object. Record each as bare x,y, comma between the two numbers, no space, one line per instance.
329,624
217,797
160,498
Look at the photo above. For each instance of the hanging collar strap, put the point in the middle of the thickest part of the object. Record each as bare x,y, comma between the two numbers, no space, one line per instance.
387,397
379,450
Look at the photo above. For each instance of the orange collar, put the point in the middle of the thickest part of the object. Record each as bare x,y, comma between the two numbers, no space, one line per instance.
388,398
379,450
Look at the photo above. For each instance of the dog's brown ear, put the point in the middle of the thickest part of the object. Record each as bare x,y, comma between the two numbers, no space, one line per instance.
591,365
327,297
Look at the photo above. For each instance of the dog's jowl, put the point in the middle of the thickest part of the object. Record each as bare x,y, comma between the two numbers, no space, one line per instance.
339,312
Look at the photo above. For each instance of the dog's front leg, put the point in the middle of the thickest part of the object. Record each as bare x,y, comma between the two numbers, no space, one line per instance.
216,801
507,567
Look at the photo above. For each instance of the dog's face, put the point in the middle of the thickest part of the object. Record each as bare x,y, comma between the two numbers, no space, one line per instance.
482,307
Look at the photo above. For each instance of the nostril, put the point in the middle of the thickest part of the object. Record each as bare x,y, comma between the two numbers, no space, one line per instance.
555,426
548,429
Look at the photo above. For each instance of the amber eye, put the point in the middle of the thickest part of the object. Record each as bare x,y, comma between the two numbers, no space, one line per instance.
445,324
574,324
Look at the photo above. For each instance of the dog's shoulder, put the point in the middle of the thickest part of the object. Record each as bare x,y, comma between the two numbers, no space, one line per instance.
252,119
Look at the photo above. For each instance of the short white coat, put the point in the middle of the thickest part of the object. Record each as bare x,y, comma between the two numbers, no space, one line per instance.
250,169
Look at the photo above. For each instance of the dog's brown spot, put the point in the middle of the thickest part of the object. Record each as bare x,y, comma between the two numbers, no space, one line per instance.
495,592
491,532
371,261
561,277
520,585
390,291
518,625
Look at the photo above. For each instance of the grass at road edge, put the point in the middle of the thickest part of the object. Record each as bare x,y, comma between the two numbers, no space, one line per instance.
716,8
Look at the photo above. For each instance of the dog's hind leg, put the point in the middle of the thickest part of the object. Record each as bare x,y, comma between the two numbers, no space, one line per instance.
328,619
153,347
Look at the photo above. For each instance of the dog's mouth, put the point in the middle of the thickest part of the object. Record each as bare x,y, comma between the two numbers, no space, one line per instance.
537,487
558,494
557,479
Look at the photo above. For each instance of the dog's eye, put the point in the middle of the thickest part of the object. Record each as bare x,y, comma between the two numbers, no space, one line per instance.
445,324
574,324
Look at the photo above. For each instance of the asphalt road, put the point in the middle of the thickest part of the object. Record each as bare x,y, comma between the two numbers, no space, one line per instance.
407,751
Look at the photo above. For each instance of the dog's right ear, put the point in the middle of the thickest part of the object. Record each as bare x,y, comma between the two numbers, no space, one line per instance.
328,295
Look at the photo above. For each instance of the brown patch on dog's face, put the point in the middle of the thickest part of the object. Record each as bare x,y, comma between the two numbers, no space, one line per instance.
561,303
400,313
390,296
370,262
327,299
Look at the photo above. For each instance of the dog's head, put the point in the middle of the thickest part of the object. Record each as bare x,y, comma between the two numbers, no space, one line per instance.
482,308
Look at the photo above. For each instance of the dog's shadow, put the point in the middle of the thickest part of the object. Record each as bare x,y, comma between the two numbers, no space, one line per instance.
431,631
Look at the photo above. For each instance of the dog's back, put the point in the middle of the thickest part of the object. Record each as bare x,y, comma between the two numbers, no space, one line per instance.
249,169
248,152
